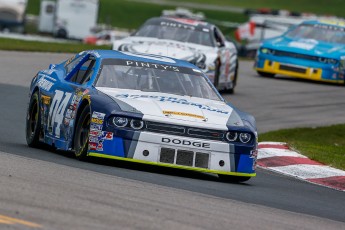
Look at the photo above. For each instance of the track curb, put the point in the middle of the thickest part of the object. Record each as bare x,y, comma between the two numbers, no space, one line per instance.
279,157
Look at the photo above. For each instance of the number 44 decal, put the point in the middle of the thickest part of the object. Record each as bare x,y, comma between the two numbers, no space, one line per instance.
57,110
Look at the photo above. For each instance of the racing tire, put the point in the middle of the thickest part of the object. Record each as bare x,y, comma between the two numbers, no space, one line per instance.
81,134
33,122
61,33
265,74
233,179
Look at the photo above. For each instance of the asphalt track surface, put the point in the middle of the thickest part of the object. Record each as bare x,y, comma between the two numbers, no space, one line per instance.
56,191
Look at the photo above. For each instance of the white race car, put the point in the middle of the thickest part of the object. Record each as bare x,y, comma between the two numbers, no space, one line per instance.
197,42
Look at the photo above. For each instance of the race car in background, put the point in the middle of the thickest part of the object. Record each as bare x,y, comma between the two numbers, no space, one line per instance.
140,108
105,37
312,50
197,42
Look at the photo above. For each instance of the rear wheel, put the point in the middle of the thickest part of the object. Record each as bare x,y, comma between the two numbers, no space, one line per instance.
33,122
233,179
265,74
81,134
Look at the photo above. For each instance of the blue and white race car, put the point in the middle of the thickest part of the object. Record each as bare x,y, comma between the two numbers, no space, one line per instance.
313,50
141,108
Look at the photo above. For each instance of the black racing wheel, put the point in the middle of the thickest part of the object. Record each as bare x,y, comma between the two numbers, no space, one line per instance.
33,122
81,134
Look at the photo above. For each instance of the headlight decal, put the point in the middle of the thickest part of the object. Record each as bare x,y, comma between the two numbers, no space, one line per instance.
240,137
125,122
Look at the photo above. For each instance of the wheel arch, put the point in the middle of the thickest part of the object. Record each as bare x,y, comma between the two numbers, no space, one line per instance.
83,104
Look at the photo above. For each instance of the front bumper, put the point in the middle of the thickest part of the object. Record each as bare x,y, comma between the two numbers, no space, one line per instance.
299,68
181,152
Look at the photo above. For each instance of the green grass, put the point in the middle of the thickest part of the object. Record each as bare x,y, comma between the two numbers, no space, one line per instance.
324,144
20,45
326,7
125,14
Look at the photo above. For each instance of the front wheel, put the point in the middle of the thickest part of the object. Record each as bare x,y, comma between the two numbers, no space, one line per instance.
33,122
233,179
81,134
265,74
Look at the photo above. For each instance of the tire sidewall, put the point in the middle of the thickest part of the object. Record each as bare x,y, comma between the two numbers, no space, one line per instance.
81,151
32,138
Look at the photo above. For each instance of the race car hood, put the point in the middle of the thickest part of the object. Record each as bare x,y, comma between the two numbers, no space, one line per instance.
306,46
164,47
174,109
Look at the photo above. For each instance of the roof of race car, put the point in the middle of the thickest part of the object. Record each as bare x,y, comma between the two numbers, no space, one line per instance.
113,54
174,21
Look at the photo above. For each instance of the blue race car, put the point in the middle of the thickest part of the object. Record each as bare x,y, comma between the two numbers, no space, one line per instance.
141,108
313,50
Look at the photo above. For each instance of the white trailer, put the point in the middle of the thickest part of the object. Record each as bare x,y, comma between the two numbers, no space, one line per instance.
72,19
12,15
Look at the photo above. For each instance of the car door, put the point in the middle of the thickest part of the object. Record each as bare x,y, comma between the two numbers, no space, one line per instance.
66,98
228,56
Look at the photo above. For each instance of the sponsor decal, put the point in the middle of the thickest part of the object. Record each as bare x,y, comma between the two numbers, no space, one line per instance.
98,115
49,72
93,139
165,112
107,135
96,127
98,146
306,44
66,121
95,132
179,25
56,112
44,84
70,60
93,146
173,100
151,56
254,156
331,22
189,21
176,141
45,99
97,121
152,65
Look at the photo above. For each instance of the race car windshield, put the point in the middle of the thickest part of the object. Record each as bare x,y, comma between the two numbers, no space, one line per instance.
319,32
151,77
180,34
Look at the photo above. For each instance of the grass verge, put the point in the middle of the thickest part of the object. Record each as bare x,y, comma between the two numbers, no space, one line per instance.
34,46
326,7
322,144
131,15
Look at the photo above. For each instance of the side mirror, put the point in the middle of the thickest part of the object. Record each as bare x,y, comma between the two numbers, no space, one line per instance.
52,66
219,44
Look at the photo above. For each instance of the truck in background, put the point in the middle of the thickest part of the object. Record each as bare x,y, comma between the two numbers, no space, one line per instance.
12,15
71,19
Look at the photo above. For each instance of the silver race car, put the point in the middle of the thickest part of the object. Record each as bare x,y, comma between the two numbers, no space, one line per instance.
197,42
